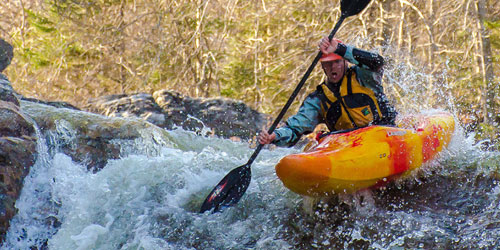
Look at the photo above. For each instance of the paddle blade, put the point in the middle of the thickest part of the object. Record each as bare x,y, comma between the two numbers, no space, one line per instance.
352,7
229,190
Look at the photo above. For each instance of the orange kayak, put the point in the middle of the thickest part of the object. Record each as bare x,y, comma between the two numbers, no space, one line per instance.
367,157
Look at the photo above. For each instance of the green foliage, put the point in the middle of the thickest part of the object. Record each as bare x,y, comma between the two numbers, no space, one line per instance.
494,28
41,23
492,25
495,38
40,49
240,75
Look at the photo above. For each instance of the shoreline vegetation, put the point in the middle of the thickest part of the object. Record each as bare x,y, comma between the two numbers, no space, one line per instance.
254,51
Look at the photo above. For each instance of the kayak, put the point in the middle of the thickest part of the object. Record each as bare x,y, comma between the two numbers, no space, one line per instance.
367,157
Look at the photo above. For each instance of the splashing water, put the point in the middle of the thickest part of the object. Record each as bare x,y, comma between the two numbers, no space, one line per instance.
150,197
152,202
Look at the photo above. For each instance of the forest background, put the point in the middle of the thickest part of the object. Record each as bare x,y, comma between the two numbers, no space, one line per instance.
255,51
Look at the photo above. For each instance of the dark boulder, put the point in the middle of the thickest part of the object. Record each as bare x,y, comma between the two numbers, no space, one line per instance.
166,109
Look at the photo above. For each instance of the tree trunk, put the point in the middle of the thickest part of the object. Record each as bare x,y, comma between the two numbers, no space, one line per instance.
121,47
488,87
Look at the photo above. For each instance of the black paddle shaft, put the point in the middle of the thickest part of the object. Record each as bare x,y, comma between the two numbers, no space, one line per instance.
347,8
295,92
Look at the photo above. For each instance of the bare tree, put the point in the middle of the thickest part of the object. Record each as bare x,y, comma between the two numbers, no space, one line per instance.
488,94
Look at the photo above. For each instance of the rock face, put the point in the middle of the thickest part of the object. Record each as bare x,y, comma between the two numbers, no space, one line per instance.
89,139
167,109
17,152
139,105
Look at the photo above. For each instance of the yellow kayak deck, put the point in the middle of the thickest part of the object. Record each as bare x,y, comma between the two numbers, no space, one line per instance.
366,157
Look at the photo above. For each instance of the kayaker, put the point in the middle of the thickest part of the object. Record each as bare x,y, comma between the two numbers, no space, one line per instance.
357,89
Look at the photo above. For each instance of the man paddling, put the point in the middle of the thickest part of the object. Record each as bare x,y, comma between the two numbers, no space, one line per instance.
230,189
351,97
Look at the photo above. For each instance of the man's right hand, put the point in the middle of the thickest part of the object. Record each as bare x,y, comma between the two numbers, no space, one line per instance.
328,46
266,138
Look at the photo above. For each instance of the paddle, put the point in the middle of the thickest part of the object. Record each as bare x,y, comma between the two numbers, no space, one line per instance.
230,189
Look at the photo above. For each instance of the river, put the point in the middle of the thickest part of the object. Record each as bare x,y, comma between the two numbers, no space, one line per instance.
151,202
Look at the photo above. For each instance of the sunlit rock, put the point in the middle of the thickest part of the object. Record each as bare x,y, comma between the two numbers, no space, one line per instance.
137,105
56,104
86,137
167,109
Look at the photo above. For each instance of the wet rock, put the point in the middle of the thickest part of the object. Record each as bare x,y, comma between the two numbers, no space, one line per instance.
17,155
17,144
176,108
229,118
8,96
225,117
138,105
12,122
51,103
7,93
89,139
